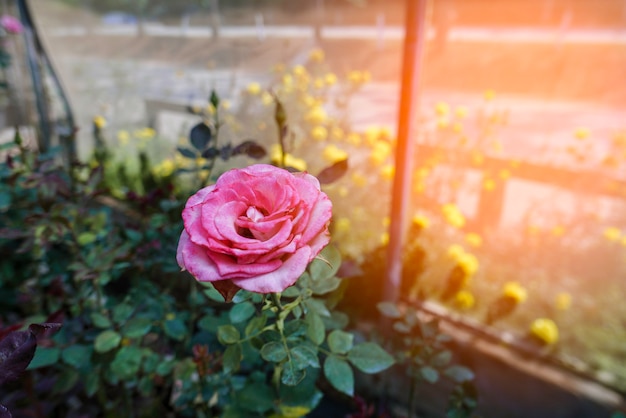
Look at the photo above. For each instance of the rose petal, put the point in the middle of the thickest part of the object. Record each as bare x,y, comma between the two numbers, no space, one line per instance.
229,268
279,279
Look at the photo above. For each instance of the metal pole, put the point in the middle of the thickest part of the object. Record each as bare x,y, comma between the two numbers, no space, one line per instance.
414,38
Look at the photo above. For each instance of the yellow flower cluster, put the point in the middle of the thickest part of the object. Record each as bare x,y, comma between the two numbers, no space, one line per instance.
464,299
421,220
545,330
290,160
100,122
473,239
164,169
332,154
563,301
612,234
453,215
358,78
515,291
464,260
381,150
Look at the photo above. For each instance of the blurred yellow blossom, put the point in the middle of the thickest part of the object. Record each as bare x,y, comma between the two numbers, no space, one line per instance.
505,174
443,122
332,153
319,83
468,263
319,133
253,88
558,230
100,122
453,215
515,291
330,79
336,132
164,169
464,299
342,225
421,220
386,221
358,77
388,171
563,301
380,151
461,112
123,137
290,161
582,133
226,104
266,98
457,127
455,250
144,133
489,95
359,179
545,330
354,138
384,238
442,108
316,115
343,191
489,184
612,233
299,71
317,55
477,158
473,239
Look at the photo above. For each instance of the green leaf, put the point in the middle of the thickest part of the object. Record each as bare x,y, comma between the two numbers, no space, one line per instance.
228,334
44,356
370,357
66,380
326,264
389,309
200,136
136,327
256,397
340,342
339,374
175,329
92,383
459,373
316,330
77,356
86,238
274,351
241,312
122,312
232,358
187,153
255,325
323,286
429,374
303,356
292,375
107,341
441,359
127,362
100,321
317,306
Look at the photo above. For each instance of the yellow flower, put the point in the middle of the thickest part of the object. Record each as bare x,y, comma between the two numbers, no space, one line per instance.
388,171
563,301
342,225
380,152
612,233
558,231
333,154
123,137
359,179
442,108
226,104
505,174
144,133
582,133
453,215
455,250
287,80
464,299
354,138
443,123
496,145
477,158
299,71
343,191
468,263
330,79
384,238
457,127
489,184
100,122
386,221
319,133
316,115
336,132
164,169
421,221
515,291
545,329
318,83
489,95
253,88
461,112
316,55
290,161
473,239
358,77
266,98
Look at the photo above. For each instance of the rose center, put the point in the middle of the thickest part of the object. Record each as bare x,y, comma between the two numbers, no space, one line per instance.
254,214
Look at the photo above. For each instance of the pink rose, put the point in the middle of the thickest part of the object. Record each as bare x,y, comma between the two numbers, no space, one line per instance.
256,229
11,24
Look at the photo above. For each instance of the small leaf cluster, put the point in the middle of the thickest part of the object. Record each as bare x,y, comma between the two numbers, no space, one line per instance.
423,348
295,337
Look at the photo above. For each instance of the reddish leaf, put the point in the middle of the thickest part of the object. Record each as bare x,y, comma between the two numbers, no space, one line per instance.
227,289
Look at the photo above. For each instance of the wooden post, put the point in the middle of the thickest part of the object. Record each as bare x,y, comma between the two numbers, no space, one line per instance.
414,41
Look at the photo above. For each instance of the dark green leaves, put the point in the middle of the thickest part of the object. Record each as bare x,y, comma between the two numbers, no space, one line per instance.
200,136
274,351
340,342
107,341
370,358
228,334
241,312
339,374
